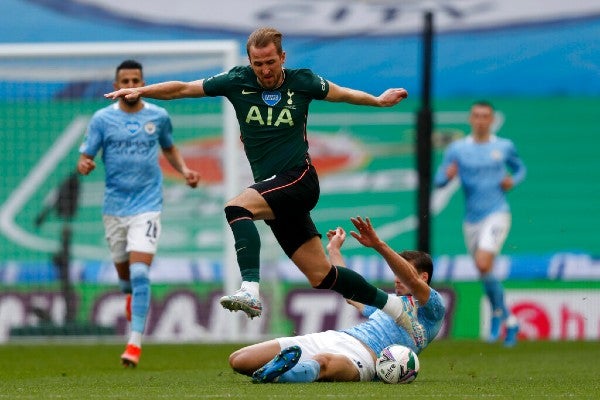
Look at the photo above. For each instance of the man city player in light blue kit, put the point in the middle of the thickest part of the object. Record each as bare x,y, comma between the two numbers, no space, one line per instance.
349,355
488,167
129,133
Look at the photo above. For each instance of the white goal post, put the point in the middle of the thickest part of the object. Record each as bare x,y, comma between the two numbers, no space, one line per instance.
227,52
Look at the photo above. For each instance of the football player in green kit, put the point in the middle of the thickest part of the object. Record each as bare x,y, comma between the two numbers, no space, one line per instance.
271,104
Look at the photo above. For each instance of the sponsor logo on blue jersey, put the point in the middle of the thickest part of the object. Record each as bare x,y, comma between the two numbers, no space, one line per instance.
132,126
271,98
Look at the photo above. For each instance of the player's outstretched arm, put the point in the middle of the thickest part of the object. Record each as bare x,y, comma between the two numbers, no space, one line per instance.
367,236
162,91
388,98
336,239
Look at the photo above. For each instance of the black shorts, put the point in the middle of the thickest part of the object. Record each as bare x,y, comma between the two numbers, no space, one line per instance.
291,195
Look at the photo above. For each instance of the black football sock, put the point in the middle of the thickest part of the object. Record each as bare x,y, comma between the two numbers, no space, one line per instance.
247,242
353,286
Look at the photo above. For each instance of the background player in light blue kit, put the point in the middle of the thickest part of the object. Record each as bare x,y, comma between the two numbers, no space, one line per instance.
129,133
350,355
488,167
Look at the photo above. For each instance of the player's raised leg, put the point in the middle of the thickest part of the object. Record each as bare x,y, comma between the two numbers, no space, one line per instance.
247,247
312,261
240,213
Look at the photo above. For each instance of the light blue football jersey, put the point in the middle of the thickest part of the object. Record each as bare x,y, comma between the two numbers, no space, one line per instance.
380,330
481,168
130,143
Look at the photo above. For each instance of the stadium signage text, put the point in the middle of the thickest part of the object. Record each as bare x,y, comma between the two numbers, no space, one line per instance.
182,315
338,17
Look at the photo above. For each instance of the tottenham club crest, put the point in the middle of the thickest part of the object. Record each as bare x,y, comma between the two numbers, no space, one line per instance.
150,128
271,98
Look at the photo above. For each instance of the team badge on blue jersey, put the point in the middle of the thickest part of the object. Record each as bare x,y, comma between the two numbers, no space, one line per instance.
271,98
150,128
132,126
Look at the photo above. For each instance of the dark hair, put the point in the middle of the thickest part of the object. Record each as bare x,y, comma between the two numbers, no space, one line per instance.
262,37
483,103
420,260
129,64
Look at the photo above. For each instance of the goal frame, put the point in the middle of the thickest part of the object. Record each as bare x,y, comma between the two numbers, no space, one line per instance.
229,50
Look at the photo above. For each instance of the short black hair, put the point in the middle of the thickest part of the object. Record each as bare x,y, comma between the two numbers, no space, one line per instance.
483,103
420,260
129,64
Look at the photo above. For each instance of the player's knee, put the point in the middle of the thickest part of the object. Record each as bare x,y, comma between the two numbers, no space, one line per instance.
233,213
233,357
327,370
323,359
484,263
238,362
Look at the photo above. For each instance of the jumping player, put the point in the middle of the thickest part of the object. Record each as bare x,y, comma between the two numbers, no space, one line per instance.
271,104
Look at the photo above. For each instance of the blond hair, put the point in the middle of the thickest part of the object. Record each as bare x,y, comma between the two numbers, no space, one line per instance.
262,37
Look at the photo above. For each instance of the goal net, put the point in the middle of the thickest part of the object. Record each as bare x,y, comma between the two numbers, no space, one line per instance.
55,270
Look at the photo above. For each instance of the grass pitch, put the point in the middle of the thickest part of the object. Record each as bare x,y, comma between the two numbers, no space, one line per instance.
449,370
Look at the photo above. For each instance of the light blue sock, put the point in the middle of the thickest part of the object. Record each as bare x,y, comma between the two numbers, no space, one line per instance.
305,371
140,299
125,286
495,293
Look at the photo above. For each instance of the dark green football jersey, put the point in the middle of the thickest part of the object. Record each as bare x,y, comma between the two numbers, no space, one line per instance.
272,122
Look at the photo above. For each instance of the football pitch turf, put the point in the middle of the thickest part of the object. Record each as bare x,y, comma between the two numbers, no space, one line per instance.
449,370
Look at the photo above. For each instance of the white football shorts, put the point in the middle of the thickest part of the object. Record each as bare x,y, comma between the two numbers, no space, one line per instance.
488,234
132,233
334,342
